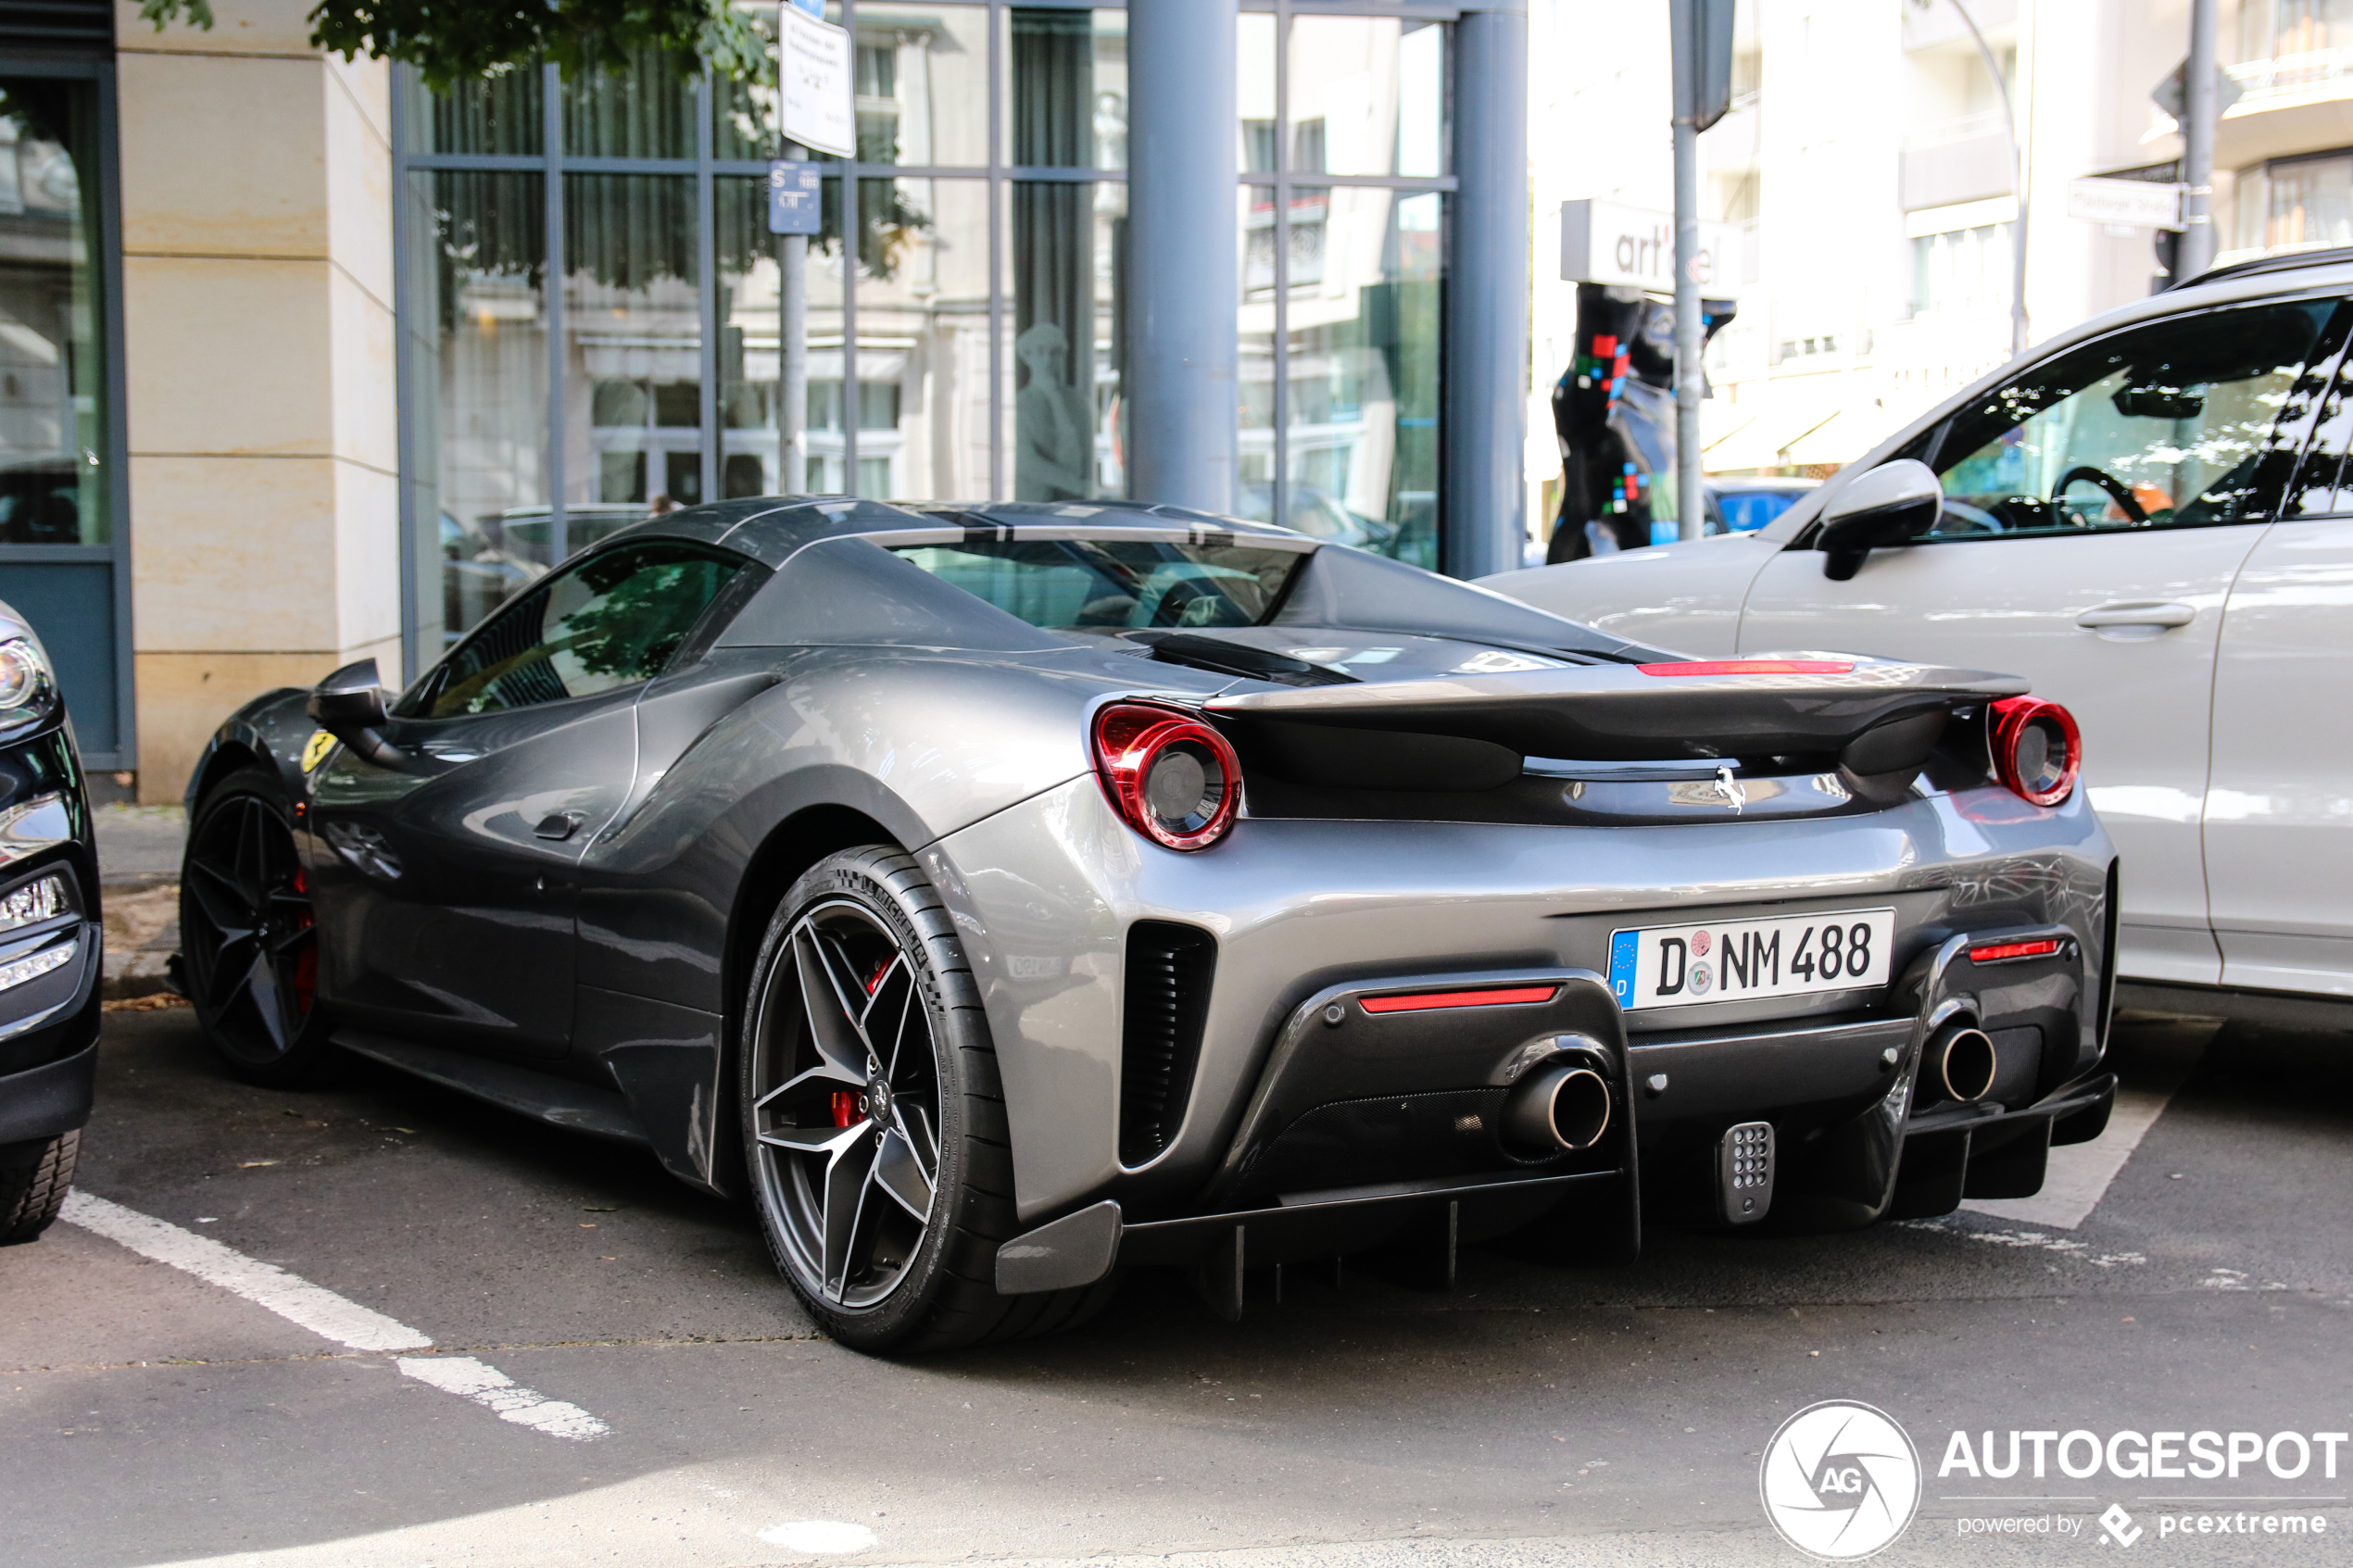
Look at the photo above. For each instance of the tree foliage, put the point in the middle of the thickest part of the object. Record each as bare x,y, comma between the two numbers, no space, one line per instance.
453,41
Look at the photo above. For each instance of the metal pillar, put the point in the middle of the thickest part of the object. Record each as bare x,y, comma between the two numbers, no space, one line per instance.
1185,300
1483,520
1690,504
2200,85
792,352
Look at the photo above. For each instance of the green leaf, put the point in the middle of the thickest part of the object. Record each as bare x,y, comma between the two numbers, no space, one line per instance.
449,42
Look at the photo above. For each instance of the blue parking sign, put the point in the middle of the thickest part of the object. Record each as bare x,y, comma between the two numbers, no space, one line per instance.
794,201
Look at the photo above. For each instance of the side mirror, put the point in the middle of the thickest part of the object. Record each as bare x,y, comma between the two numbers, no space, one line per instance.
1893,504
349,705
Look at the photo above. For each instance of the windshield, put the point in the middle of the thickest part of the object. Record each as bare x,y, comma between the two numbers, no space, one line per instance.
1745,511
1115,583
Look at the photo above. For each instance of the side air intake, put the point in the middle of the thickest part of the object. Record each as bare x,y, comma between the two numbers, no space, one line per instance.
1169,970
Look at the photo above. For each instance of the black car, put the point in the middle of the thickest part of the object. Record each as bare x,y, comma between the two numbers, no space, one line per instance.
50,947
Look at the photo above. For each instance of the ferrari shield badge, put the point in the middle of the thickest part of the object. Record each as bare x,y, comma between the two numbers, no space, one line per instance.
315,750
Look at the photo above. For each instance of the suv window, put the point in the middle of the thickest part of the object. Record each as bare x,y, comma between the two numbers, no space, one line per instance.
2175,424
608,620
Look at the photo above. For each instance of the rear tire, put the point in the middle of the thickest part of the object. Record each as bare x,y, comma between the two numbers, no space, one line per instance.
874,1127
30,1195
247,934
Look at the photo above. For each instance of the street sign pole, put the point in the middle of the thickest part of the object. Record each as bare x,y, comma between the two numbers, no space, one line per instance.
813,109
2199,111
1702,62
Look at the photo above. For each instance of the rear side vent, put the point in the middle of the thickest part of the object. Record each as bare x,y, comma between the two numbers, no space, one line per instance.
1169,970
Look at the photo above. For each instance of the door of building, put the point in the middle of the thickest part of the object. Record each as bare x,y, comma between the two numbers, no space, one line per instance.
63,558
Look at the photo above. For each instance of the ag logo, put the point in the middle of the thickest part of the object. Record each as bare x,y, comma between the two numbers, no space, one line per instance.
315,750
1840,1481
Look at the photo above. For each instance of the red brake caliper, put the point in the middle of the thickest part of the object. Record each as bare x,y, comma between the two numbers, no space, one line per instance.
849,1103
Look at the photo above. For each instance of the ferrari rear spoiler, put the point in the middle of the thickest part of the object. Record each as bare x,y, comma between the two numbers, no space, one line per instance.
1875,720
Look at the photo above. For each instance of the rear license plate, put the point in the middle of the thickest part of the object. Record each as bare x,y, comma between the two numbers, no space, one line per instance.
1673,965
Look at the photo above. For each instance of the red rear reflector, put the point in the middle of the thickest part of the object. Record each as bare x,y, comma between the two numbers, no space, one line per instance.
1750,667
1995,952
1424,1001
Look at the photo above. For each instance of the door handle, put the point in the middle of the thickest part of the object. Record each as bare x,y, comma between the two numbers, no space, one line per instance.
2137,612
560,826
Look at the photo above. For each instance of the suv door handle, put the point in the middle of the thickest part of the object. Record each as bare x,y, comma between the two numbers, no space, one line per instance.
561,825
2137,612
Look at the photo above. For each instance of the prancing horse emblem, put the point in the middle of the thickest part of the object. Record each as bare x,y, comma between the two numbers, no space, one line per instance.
1729,788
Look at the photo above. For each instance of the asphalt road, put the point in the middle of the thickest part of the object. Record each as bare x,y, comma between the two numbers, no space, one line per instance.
1534,1415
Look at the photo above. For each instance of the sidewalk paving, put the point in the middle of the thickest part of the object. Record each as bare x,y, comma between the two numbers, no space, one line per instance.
139,877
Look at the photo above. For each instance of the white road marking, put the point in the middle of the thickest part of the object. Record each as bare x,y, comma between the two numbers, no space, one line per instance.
493,1390
2081,1251
324,1313
265,1284
2080,1174
823,1536
2235,1279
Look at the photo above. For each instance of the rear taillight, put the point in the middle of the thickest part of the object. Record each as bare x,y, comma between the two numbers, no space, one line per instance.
2037,749
1173,778
1751,666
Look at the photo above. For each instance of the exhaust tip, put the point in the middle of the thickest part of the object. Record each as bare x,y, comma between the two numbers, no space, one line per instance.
1563,1110
1962,1058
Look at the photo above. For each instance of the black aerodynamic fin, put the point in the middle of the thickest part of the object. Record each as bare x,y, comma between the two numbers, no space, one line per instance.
1222,658
1342,587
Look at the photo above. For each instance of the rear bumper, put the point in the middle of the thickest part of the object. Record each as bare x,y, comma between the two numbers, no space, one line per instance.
1049,895
1368,1122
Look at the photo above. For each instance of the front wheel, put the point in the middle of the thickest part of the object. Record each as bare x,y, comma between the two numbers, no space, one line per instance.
874,1123
248,933
30,1195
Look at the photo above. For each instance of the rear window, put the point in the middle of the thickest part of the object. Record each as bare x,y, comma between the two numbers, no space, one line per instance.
1061,583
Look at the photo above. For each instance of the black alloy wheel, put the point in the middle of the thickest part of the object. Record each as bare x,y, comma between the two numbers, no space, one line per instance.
850,1140
873,1125
248,933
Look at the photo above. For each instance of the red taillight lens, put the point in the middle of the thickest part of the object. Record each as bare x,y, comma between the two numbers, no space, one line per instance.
1176,780
1427,1001
2002,952
2037,749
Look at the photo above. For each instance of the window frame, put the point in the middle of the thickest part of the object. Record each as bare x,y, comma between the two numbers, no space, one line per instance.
2329,350
720,609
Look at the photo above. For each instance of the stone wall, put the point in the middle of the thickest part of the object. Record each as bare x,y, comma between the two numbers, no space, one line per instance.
257,289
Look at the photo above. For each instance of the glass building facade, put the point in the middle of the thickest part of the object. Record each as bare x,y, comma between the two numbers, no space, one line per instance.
593,311
63,551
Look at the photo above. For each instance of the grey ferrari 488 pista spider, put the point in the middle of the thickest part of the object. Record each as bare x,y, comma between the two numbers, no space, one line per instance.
1006,895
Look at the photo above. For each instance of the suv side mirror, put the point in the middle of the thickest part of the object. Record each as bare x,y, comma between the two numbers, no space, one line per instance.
349,705
1893,504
